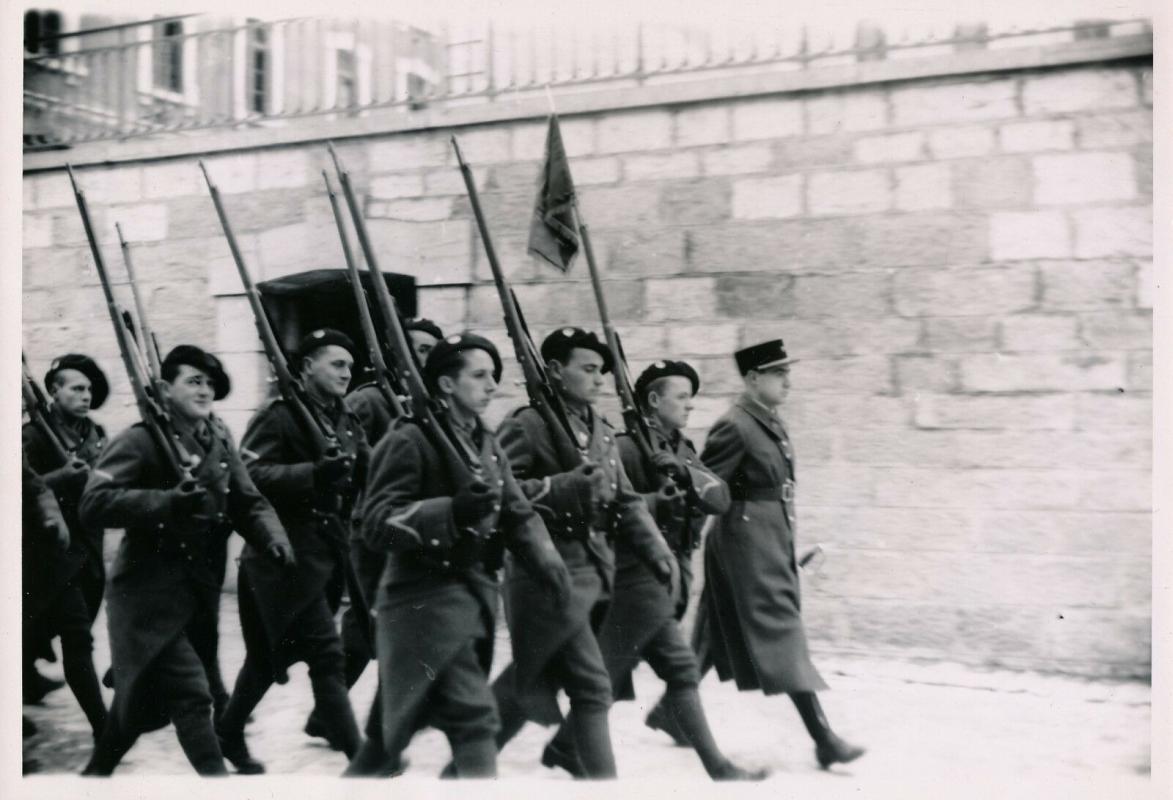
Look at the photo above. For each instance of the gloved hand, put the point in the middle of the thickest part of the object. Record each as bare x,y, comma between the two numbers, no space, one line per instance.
282,553
668,464
668,573
187,499
78,472
472,504
555,578
51,519
669,502
332,469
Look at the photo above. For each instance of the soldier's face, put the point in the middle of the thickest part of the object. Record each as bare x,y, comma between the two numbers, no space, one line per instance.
772,384
72,393
581,377
672,401
422,343
328,370
471,389
190,393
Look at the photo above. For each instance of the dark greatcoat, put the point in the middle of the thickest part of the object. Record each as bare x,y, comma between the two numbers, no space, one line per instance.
640,607
166,573
537,629
750,613
438,592
47,570
280,457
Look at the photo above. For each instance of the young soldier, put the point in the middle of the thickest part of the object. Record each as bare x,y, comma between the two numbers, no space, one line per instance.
749,617
286,617
641,622
373,411
64,587
164,575
555,648
437,598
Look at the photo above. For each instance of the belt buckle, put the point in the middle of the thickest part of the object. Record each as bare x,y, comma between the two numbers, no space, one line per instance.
788,491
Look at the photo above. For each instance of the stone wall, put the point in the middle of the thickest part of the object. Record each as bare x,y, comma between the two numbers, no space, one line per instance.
963,264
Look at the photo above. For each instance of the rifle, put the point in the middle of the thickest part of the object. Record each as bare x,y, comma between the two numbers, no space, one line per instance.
151,410
145,336
537,384
37,406
384,378
427,411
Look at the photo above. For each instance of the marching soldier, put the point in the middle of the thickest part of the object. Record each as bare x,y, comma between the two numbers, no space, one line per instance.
63,588
641,621
555,648
367,401
749,618
436,600
165,572
286,617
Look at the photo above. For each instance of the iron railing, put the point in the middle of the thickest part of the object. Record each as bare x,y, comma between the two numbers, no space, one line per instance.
188,74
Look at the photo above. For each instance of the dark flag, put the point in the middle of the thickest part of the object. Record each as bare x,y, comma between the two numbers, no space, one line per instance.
553,232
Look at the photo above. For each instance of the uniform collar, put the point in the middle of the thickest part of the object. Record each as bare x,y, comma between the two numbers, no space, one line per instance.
672,438
762,413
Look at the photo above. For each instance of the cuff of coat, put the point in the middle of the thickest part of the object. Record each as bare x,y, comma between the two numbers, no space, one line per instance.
570,495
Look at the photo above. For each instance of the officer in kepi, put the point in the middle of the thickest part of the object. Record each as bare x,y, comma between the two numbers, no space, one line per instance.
641,622
63,588
749,620
286,616
166,572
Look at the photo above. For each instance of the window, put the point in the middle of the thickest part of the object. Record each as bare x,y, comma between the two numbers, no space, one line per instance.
41,29
167,57
260,59
347,79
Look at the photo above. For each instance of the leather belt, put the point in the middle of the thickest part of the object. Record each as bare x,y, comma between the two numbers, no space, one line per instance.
783,493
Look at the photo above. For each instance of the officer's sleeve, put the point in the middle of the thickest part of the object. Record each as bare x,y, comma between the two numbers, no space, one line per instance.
525,533
263,451
252,515
397,516
564,494
724,449
111,499
636,522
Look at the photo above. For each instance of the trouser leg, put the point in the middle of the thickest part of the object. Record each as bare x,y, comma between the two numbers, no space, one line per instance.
112,744
252,683
71,619
179,675
509,710
461,705
580,670
318,639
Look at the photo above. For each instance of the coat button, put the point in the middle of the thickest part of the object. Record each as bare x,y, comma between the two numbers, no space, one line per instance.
744,518
435,543
612,462
446,563
223,465
500,483
614,486
183,545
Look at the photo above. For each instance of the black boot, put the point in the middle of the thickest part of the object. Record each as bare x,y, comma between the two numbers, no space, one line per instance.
235,749
592,737
659,719
29,728
475,759
35,686
684,706
371,761
317,729
199,741
559,753
335,711
829,747
109,748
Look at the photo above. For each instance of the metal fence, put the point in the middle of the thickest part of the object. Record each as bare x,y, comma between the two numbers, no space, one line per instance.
189,73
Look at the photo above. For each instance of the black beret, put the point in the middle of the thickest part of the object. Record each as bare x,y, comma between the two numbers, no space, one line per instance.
425,325
205,362
448,349
99,386
323,337
557,345
664,369
762,356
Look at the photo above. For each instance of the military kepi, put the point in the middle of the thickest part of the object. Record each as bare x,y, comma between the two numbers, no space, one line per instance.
557,346
323,337
205,362
448,349
762,356
665,369
99,386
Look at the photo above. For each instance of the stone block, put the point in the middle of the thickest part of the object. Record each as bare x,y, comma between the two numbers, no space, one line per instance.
963,292
916,374
222,274
993,183
1144,170
411,209
404,151
1117,330
36,231
924,187
1036,135
57,268
767,198
852,375
172,179
145,222
833,337
1068,90
843,411
820,151
719,376
1116,489
633,131
961,142
621,206
680,298
887,529
486,145
854,192
1146,87
960,334
1101,232
285,168
846,111
250,378
1067,533
806,296
920,487
701,125
1113,410
785,246
644,251
1119,129
233,173
1029,234
1031,372
193,216
594,171
921,239
1140,371
1103,636
1040,332
183,260
737,160
446,306
768,118
120,184
515,176
703,202
294,248
954,102
643,344
842,485
449,180
236,331
435,252
529,138
1079,285
909,146
1081,178
52,190
701,340
393,187
1144,284
658,166
992,412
